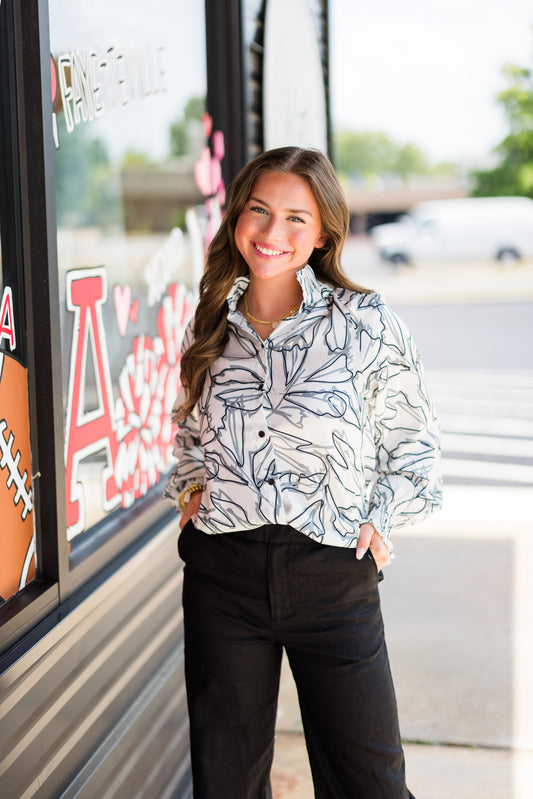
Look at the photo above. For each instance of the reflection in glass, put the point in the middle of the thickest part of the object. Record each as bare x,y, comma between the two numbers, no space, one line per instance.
130,128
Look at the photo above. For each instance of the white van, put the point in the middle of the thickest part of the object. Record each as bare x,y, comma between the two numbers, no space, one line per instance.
472,228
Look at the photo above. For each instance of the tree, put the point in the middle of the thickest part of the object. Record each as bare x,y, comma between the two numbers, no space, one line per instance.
370,153
409,160
514,174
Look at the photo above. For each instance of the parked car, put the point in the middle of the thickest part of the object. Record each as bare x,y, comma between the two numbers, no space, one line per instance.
472,228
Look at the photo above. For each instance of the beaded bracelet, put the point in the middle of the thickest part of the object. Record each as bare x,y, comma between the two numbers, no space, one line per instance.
187,493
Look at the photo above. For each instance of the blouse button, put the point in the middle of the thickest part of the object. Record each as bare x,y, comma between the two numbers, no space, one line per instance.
261,434
271,481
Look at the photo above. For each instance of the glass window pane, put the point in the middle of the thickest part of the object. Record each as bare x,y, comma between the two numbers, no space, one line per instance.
133,171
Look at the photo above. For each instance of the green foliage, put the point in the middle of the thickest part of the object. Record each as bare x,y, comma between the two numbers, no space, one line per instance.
409,161
133,158
514,173
365,154
194,110
517,99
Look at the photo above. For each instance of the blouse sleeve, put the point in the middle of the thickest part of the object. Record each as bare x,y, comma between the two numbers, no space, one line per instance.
187,450
407,483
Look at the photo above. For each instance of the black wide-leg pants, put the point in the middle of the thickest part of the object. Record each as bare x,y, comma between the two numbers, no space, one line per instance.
246,597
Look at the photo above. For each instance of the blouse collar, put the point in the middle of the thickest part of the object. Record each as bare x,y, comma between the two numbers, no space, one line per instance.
312,289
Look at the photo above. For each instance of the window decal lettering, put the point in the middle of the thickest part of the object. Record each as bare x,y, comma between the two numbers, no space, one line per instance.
7,321
92,82
88,433
130,427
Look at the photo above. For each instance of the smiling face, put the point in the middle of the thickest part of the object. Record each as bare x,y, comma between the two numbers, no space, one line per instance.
279,227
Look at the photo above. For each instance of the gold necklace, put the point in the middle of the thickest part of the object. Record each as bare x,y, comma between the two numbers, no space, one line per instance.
273,323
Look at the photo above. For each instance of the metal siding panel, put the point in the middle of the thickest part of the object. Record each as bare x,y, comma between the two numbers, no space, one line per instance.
146,754
68,694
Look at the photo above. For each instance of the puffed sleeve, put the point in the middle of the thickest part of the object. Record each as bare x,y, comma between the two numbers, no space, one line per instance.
407,483
187,449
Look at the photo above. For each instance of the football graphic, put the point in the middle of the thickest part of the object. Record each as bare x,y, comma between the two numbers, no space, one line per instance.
17,542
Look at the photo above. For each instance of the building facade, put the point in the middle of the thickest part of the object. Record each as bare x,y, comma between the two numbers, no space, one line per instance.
120,130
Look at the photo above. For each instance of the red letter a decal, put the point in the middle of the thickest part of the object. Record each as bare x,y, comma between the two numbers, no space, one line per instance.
88,432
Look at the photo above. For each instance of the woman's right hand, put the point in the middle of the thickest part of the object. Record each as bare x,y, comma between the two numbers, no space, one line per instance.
191,508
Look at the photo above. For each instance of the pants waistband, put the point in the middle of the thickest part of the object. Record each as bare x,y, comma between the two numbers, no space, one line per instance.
275,533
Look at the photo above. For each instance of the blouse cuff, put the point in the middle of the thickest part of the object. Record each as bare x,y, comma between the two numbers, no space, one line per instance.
178,481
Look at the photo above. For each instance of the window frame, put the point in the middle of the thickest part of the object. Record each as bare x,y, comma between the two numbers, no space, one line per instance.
62,581
31,244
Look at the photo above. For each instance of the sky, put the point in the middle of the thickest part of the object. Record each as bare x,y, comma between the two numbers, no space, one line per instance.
427,72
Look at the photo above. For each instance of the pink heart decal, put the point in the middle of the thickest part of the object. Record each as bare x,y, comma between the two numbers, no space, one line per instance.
202,172
216,175
122,297
218,144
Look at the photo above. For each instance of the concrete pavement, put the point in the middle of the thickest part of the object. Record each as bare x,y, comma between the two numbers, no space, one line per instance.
458,610
433,772
457,604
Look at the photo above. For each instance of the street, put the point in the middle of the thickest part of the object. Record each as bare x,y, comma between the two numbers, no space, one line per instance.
473,335
479,365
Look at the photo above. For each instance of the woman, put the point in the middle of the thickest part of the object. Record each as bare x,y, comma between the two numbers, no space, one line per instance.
305,435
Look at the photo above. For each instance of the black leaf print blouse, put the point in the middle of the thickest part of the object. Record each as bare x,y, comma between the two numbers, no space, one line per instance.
323,426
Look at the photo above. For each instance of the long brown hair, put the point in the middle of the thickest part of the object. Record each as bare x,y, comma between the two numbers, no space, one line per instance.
224,262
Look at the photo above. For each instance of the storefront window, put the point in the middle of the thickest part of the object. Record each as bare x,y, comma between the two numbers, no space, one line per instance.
138,192
17,536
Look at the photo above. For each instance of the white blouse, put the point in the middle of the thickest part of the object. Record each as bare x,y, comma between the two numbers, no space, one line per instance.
323,426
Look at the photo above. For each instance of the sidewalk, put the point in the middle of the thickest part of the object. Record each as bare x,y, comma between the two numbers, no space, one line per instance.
458,610
433,772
